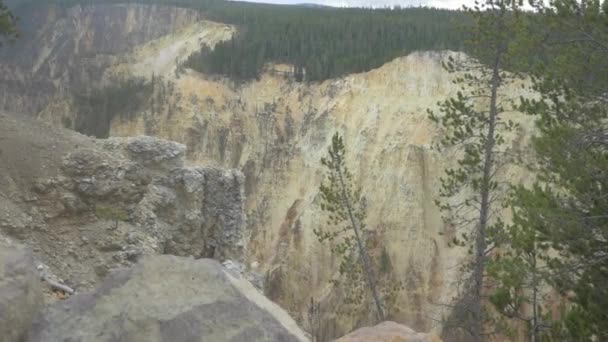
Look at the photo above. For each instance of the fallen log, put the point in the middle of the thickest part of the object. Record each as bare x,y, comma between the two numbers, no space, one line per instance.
58,286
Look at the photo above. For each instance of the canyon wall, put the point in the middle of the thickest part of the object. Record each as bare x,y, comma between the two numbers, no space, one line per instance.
275,131
65,51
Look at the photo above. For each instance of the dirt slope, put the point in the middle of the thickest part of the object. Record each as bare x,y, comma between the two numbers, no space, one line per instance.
31,149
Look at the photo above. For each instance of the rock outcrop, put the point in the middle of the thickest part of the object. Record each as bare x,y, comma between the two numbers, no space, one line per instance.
168,299
149,202
20,291
87,206
189,211
388,332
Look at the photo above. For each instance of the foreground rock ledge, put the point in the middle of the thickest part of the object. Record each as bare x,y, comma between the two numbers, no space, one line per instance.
20,292
388,332
167,298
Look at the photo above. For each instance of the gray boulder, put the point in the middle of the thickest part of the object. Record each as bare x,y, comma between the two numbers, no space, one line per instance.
168,298
149,151
20,291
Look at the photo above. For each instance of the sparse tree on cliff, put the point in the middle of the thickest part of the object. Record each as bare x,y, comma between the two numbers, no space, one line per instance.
474,124
7,24
343,202
110,213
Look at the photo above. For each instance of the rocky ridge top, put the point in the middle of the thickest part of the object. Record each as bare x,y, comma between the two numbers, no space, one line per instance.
106,203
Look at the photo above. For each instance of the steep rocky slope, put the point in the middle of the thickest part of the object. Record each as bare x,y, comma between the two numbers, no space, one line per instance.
275,131
65,51
87,206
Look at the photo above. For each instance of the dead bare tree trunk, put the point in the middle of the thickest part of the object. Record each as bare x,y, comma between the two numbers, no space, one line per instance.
58,286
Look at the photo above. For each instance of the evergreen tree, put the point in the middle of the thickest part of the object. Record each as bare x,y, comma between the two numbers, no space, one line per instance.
474,122
519,279
568,204
8,29
113,214
346,210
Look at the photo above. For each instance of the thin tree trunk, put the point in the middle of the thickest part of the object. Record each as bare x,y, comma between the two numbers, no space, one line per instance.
484,212
534,330
371,279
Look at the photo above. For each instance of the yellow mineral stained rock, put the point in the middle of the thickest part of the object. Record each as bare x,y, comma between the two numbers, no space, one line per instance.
276,130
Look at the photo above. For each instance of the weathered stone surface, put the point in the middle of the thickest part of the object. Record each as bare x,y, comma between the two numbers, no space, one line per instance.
87,206
186,211
168,298
239,270
20,293
388,332
149,151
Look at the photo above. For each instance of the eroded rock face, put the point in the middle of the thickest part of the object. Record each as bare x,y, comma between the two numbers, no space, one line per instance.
388,332
70,48
168,299
166,208
87,206
149,151
275,131
20,292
